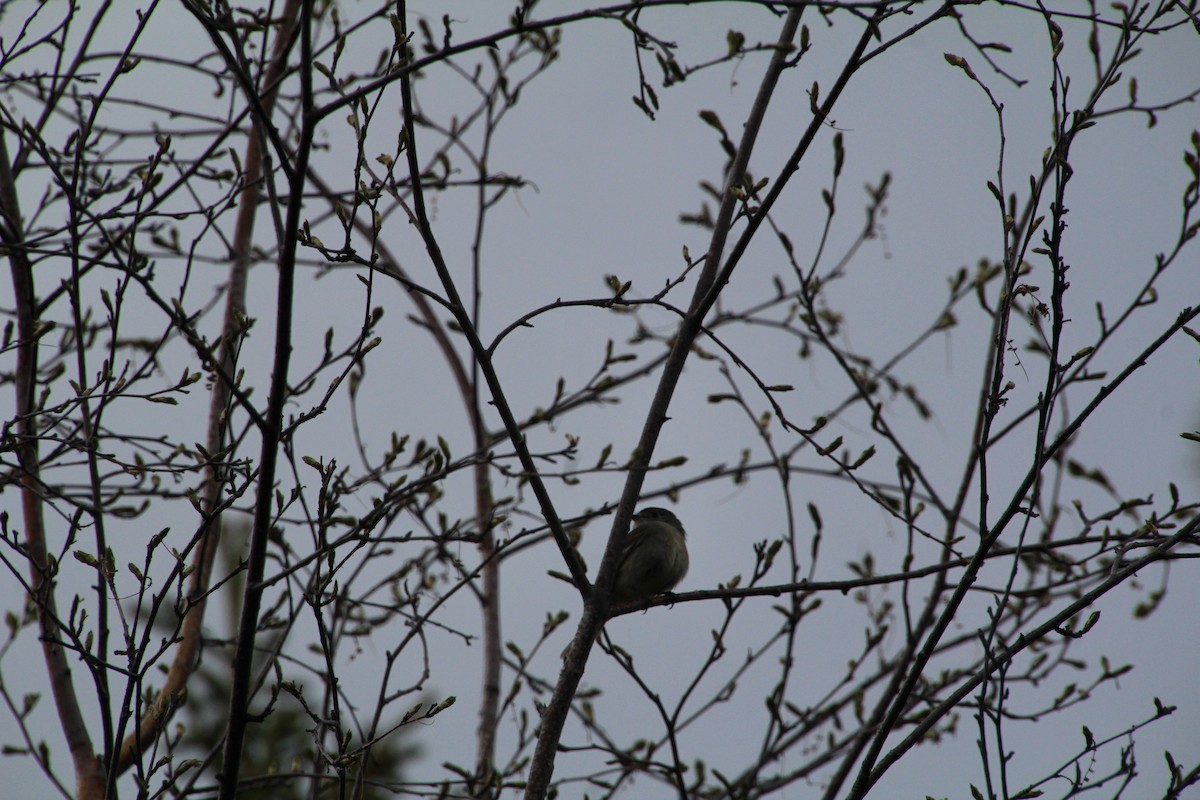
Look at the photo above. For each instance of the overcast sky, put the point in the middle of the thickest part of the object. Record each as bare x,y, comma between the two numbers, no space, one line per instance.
608,186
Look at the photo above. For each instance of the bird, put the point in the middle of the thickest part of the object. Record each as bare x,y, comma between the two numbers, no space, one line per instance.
654,558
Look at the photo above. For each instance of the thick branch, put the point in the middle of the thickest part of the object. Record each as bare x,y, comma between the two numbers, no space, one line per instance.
243,660
89,774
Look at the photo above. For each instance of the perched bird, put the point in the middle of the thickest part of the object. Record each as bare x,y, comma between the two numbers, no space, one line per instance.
654,558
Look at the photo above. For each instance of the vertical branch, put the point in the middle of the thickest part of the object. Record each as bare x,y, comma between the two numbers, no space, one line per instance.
187,653
489,703
89,773
243,659
485,510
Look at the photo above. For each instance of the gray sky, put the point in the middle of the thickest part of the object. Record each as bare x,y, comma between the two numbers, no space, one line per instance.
610,186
